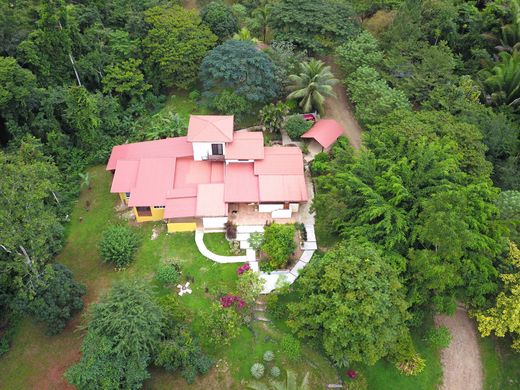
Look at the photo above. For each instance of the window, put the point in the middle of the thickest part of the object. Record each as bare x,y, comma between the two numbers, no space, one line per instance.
144,211
217,149
127,194
159,207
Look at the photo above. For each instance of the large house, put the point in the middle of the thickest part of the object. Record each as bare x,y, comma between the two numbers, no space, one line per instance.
208,176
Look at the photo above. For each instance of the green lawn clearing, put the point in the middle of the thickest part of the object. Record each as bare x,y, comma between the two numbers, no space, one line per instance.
39,361
501,364
217,243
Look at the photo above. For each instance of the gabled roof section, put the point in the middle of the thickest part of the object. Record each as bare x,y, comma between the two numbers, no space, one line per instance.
246,145
325,131
282,188
154,179
168,147
240,183
125,176
210,128
280,160
210,200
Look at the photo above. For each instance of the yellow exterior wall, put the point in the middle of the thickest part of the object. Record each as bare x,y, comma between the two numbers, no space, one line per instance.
122,196
182,227
157,215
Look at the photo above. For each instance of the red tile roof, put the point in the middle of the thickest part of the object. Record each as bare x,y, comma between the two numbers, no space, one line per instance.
246,145
168,147
241,184
325,131
210,128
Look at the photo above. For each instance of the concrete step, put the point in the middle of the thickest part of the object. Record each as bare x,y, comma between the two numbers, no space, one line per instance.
297,267
244,245
306,256
243,236
262,309
250,229
311,235
262,319
307,245
254,266
251,255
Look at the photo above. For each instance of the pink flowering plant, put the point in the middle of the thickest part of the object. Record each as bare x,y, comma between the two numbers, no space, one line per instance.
352,374
232,300
243,268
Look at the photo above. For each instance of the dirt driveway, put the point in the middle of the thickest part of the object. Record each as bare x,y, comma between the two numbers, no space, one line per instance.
340,109
461,364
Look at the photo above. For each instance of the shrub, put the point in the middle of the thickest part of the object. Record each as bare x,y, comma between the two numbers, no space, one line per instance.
303,231
194,95
291,347
167,273
249,286
276,308
275,372
411,366
220,19
118,245
231,230
321,164
243,268
229,103
256,240
278,243
296,126
439,337
222,325
273,116
234,247
257,370
57,301
304,147
268,356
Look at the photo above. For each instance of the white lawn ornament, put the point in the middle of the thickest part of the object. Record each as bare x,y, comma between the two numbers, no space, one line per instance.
184,289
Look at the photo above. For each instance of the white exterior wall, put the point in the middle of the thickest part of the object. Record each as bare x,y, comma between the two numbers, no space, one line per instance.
267,208
281,213
214,222
203,149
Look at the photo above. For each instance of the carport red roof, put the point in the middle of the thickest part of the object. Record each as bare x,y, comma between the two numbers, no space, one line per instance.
325,131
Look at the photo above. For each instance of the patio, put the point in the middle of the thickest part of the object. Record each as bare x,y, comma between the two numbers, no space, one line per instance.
247,214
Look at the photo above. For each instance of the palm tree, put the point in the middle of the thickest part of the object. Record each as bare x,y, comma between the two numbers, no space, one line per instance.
245,35
509,39
312,85
262,16
290,384
503,81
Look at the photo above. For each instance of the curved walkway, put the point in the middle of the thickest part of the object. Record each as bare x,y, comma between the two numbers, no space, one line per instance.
461,363
199,240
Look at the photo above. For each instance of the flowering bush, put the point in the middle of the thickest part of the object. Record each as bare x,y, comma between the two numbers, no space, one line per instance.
352,374
243,268
230,300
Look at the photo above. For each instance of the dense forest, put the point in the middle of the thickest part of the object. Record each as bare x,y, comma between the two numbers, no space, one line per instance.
432,199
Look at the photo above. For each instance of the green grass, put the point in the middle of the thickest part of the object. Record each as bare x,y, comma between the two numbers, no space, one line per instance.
501,364
179,103
39,361
217,243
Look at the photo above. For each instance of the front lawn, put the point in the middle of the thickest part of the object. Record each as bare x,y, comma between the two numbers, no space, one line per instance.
39,361
217,243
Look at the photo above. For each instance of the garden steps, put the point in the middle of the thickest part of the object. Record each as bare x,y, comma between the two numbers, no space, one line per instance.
243,236
250,229
245,245
251,255
297,267
307,245
263,319
254,266
306,256
311,235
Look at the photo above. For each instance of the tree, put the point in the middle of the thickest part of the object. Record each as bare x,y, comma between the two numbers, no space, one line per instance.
262,17
373,97
504,317
241,68
362,50
312,85
296,126
123,332
229,103
278,243
297,21
220,19
508,203
175,44
125,78
57,299
222,324
503,81
118,245
354,304
249,286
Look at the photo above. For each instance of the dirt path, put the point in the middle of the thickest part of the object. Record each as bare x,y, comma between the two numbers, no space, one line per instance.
461,364
340,109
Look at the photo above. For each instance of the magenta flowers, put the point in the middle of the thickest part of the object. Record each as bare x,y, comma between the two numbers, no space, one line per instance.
230,300
243,268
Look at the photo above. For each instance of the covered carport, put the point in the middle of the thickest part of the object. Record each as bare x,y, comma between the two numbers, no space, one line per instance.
323,134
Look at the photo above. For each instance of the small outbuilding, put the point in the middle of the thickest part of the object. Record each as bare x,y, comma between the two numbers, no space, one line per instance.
325,132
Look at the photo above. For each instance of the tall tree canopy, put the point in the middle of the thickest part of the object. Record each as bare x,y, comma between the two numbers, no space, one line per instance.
242,68
175,44
220,19
314,25
352,303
